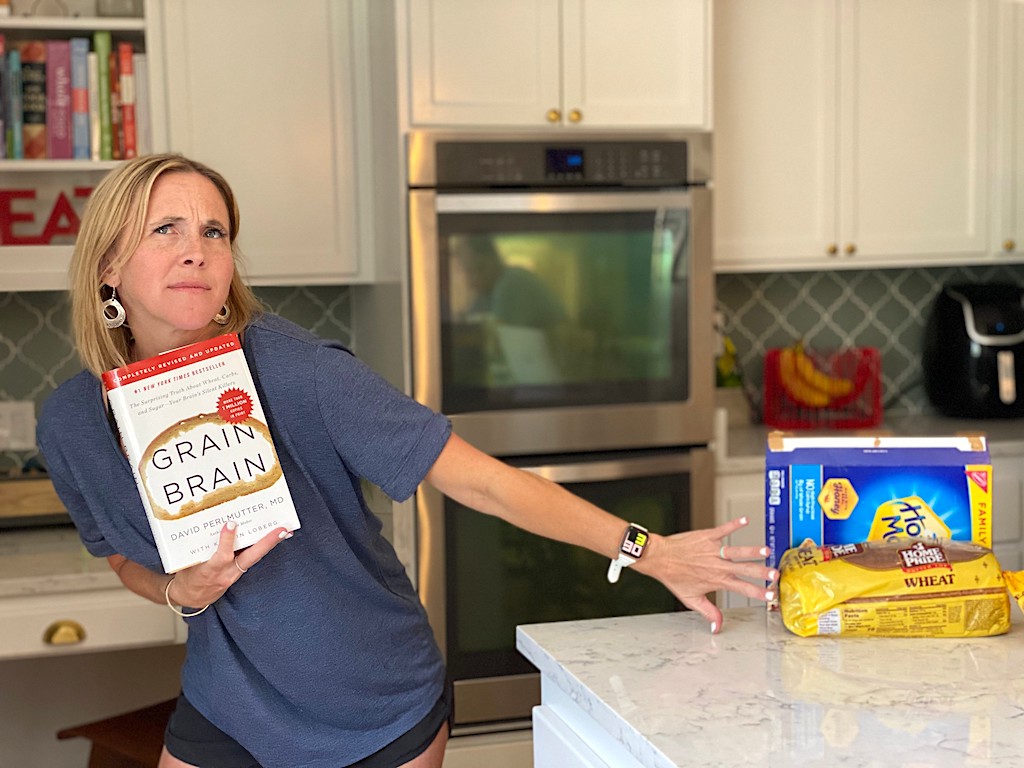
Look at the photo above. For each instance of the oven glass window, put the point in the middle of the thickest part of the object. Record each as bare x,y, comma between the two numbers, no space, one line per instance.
555,309
499,576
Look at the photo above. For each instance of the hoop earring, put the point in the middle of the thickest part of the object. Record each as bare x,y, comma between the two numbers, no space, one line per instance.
222,317
112,305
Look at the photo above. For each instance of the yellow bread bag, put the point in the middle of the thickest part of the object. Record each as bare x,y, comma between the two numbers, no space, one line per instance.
900,587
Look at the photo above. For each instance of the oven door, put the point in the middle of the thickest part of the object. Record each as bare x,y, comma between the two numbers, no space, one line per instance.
480,577
564,321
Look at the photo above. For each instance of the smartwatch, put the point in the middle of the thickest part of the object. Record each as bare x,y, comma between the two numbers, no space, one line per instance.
632,549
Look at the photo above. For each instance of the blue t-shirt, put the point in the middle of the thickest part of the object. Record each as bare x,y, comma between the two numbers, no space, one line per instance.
322,653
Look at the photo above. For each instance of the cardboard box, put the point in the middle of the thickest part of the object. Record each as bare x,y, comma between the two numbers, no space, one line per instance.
845,490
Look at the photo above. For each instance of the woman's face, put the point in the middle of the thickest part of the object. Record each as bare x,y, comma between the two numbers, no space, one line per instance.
179,275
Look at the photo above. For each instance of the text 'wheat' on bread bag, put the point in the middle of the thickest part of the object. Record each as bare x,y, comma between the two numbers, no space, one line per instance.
895,588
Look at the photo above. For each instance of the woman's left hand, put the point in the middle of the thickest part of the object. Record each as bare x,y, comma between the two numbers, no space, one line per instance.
694,563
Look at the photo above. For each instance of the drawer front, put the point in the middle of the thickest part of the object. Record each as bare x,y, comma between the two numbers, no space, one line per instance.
87,621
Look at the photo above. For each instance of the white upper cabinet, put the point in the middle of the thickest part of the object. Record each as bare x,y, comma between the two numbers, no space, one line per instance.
1008,171
264,92
576,63
851,134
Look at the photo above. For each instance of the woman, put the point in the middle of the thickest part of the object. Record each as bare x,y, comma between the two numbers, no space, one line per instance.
313,651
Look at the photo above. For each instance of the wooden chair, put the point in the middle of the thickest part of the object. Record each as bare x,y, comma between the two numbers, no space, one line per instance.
131,740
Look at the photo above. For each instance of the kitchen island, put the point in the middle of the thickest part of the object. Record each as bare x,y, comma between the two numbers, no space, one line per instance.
661,691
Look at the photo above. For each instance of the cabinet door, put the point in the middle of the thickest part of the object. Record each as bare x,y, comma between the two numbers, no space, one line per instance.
740,496
914,129
630,64
483,63
775,133
1007,237
262,92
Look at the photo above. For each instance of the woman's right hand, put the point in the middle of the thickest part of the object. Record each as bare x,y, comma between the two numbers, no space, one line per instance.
205,583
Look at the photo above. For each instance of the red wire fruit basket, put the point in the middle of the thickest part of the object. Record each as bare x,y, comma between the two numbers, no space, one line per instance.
812,389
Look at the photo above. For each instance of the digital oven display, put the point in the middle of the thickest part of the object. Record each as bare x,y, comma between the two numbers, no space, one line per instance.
565,161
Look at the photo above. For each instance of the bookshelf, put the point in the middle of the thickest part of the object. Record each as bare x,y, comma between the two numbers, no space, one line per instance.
41,199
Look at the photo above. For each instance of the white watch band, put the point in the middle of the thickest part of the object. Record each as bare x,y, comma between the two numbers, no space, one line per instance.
615,567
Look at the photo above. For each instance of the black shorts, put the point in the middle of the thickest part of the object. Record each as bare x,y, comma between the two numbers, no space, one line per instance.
194,739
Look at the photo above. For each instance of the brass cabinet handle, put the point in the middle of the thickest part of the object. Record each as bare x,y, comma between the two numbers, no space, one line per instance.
64,632
832,249
1009,245
850,249
575,116
554,115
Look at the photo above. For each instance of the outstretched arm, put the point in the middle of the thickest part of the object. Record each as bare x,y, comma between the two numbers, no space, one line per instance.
689,564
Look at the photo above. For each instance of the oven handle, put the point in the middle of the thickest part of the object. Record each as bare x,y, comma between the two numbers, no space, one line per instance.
566,202
620,468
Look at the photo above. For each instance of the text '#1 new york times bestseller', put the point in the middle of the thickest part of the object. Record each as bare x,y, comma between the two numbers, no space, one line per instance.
197,439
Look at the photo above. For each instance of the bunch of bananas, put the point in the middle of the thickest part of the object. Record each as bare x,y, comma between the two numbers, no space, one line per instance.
805,383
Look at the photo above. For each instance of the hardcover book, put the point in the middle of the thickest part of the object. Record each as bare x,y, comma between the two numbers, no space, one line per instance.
197,439
80,98
142,129
15,146
58,99
4,99
101,44
33,98
92,70
126,73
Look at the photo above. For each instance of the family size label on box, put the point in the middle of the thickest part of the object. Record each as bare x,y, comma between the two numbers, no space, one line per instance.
850,490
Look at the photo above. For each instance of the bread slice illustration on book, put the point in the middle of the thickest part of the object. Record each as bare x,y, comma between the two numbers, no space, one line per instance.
200,448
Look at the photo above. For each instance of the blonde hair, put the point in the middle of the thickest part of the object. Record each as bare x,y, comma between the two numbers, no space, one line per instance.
112,228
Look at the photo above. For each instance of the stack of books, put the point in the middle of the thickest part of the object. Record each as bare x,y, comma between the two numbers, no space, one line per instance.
82,99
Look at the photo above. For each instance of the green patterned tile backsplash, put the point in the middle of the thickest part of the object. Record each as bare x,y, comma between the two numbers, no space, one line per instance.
37,354
886,309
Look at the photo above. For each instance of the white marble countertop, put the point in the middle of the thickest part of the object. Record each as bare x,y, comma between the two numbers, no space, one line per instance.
675,695
49,561
740,449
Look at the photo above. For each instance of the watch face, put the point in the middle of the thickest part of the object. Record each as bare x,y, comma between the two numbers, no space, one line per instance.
634,543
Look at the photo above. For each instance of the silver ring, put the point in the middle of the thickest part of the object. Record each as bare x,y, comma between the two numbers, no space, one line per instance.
721,552
243,570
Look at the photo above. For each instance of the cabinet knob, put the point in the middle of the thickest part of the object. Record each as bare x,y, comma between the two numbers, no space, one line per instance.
64,632
832,249
554,116
1009,245
850,249
575,116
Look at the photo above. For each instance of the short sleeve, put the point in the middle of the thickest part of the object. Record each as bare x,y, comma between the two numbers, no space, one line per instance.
78,508
381,433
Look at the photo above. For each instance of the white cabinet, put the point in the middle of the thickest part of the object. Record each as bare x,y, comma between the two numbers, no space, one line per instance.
740,495
556,745
100,620
41,201
266,93
586,63
851,134
1008,169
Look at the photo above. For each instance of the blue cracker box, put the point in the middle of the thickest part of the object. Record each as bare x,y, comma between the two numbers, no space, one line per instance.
845,490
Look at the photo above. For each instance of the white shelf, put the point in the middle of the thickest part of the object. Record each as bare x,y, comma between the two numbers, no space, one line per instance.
42,166
73,23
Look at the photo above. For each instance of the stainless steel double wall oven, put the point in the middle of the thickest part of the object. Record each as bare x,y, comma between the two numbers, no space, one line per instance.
562,296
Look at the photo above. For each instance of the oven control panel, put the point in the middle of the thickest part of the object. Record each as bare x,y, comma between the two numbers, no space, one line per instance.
562,164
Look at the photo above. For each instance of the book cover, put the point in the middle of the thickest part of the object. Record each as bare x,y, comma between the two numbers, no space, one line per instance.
101,43
116,135
33,98
80,98
196,436
15,145
92,68
126,73
58,99
143,132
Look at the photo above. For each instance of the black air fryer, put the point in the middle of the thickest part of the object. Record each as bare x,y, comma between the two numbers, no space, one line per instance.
974,351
